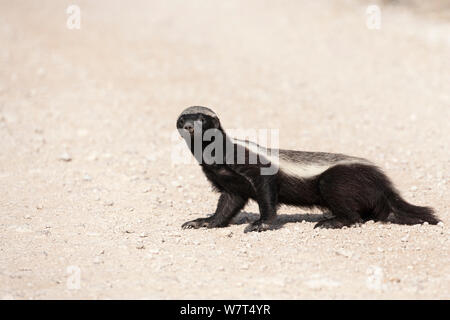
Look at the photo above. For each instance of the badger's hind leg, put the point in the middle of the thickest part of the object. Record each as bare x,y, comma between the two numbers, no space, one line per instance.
343,193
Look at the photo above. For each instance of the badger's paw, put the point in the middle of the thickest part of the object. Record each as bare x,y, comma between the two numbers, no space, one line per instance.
332,223
199,223
257,226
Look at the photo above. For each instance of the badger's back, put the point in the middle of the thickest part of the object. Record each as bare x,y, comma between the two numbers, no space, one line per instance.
304,164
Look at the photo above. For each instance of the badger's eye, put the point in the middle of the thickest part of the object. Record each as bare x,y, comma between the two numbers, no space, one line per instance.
181,121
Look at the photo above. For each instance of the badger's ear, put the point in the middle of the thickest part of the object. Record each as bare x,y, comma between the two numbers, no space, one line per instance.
216,122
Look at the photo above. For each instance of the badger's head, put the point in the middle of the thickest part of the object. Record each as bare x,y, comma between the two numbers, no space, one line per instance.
197,120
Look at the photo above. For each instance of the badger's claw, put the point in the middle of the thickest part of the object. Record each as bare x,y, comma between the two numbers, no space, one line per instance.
197,223
332,223
257,226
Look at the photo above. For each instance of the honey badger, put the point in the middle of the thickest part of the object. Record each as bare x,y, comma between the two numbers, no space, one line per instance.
353,189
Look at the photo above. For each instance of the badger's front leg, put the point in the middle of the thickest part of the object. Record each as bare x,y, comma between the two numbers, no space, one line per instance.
267,198
228,206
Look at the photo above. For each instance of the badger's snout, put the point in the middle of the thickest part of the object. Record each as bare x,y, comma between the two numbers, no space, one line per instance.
189,127
186,125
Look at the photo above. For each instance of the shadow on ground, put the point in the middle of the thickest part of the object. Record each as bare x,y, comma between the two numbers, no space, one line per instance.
247,217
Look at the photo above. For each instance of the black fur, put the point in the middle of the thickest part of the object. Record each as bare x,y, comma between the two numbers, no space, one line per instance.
354,192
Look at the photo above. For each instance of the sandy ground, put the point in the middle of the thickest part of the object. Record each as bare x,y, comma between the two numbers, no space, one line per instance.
91,204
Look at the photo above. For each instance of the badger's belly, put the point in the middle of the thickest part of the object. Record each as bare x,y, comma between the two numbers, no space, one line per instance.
298,191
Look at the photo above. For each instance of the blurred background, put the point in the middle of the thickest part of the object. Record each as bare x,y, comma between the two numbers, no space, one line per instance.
87,116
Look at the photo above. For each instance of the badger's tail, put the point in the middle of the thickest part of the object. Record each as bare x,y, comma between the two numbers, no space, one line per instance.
406,213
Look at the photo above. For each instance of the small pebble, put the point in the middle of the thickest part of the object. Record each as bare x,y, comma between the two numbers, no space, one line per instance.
65,157
176,184
344,253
